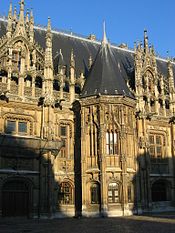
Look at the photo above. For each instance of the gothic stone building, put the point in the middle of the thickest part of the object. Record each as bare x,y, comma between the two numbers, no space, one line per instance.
86,128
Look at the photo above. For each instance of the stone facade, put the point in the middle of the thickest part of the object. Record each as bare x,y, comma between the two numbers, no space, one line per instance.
63,153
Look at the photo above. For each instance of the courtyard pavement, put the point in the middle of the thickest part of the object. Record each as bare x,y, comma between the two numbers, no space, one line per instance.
133,224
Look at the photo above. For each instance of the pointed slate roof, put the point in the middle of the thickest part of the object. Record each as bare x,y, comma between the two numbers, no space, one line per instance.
106,74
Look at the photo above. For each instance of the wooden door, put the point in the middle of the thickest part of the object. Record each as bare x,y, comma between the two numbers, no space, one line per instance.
15,199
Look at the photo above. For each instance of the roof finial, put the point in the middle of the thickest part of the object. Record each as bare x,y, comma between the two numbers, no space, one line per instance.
104,41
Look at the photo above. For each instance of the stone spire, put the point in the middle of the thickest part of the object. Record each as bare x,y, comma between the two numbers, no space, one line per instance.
31,17
21,14
20,29
27,21
15,14
27,16
15,18
48,51
146,47
9,24
31,27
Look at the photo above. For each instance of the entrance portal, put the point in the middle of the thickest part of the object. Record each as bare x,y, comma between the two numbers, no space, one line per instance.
15,199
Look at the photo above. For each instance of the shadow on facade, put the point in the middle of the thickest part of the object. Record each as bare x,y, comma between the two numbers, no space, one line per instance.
27,183
153,185
77,159
28,186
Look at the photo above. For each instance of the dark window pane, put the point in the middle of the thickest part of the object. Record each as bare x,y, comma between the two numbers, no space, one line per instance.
159,191
10,127
158,140
152,151
22,127
129,194
95,194
151,139
63,131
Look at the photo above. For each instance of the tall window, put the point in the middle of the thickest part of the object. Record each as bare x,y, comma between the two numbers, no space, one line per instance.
64,134
93,140
113,193
156,146
159,162
111,143
16,127
95,193
130,193
66,195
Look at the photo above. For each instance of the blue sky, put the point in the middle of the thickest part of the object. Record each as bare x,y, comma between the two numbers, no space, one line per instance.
125,20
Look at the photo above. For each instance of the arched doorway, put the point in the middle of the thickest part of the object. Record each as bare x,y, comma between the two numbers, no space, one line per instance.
15,198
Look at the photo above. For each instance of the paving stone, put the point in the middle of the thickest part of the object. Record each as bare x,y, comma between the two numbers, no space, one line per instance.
132,224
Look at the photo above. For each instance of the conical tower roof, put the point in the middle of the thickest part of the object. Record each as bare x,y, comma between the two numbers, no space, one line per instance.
105,76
